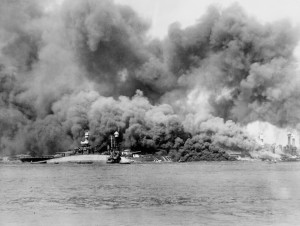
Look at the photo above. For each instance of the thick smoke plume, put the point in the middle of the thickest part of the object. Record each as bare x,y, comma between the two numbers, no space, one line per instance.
90,65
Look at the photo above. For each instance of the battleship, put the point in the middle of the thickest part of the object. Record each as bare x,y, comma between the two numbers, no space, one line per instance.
87,154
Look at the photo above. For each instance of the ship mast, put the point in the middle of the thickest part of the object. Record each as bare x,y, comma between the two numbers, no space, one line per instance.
115,153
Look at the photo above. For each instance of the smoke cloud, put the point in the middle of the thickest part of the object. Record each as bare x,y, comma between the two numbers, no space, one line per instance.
90,65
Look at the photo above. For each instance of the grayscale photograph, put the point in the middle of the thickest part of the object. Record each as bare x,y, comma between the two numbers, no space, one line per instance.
149,112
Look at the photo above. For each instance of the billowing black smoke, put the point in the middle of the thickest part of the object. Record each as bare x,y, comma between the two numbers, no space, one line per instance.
247,69
90,65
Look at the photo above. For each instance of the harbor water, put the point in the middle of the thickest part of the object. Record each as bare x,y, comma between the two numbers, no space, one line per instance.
199,193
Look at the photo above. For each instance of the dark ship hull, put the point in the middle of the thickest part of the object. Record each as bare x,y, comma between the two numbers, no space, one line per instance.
36,159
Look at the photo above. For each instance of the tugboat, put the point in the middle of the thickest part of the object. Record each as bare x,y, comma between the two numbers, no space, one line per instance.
114,149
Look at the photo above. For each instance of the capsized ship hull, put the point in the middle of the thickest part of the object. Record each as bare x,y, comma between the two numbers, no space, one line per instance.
86,158
36,159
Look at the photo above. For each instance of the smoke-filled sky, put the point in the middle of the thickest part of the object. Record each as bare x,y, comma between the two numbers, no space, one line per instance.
91,64
186,12
164,12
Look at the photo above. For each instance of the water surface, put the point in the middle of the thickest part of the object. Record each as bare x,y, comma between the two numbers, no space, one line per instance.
200,193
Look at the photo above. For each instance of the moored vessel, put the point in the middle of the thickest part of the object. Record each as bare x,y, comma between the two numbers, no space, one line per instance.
87,154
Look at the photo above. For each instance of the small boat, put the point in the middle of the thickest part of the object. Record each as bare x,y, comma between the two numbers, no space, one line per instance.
114,158
157,160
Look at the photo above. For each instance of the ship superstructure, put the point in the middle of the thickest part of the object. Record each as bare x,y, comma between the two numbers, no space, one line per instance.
114,149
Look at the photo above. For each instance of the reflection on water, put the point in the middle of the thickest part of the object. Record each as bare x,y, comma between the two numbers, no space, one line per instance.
221,193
